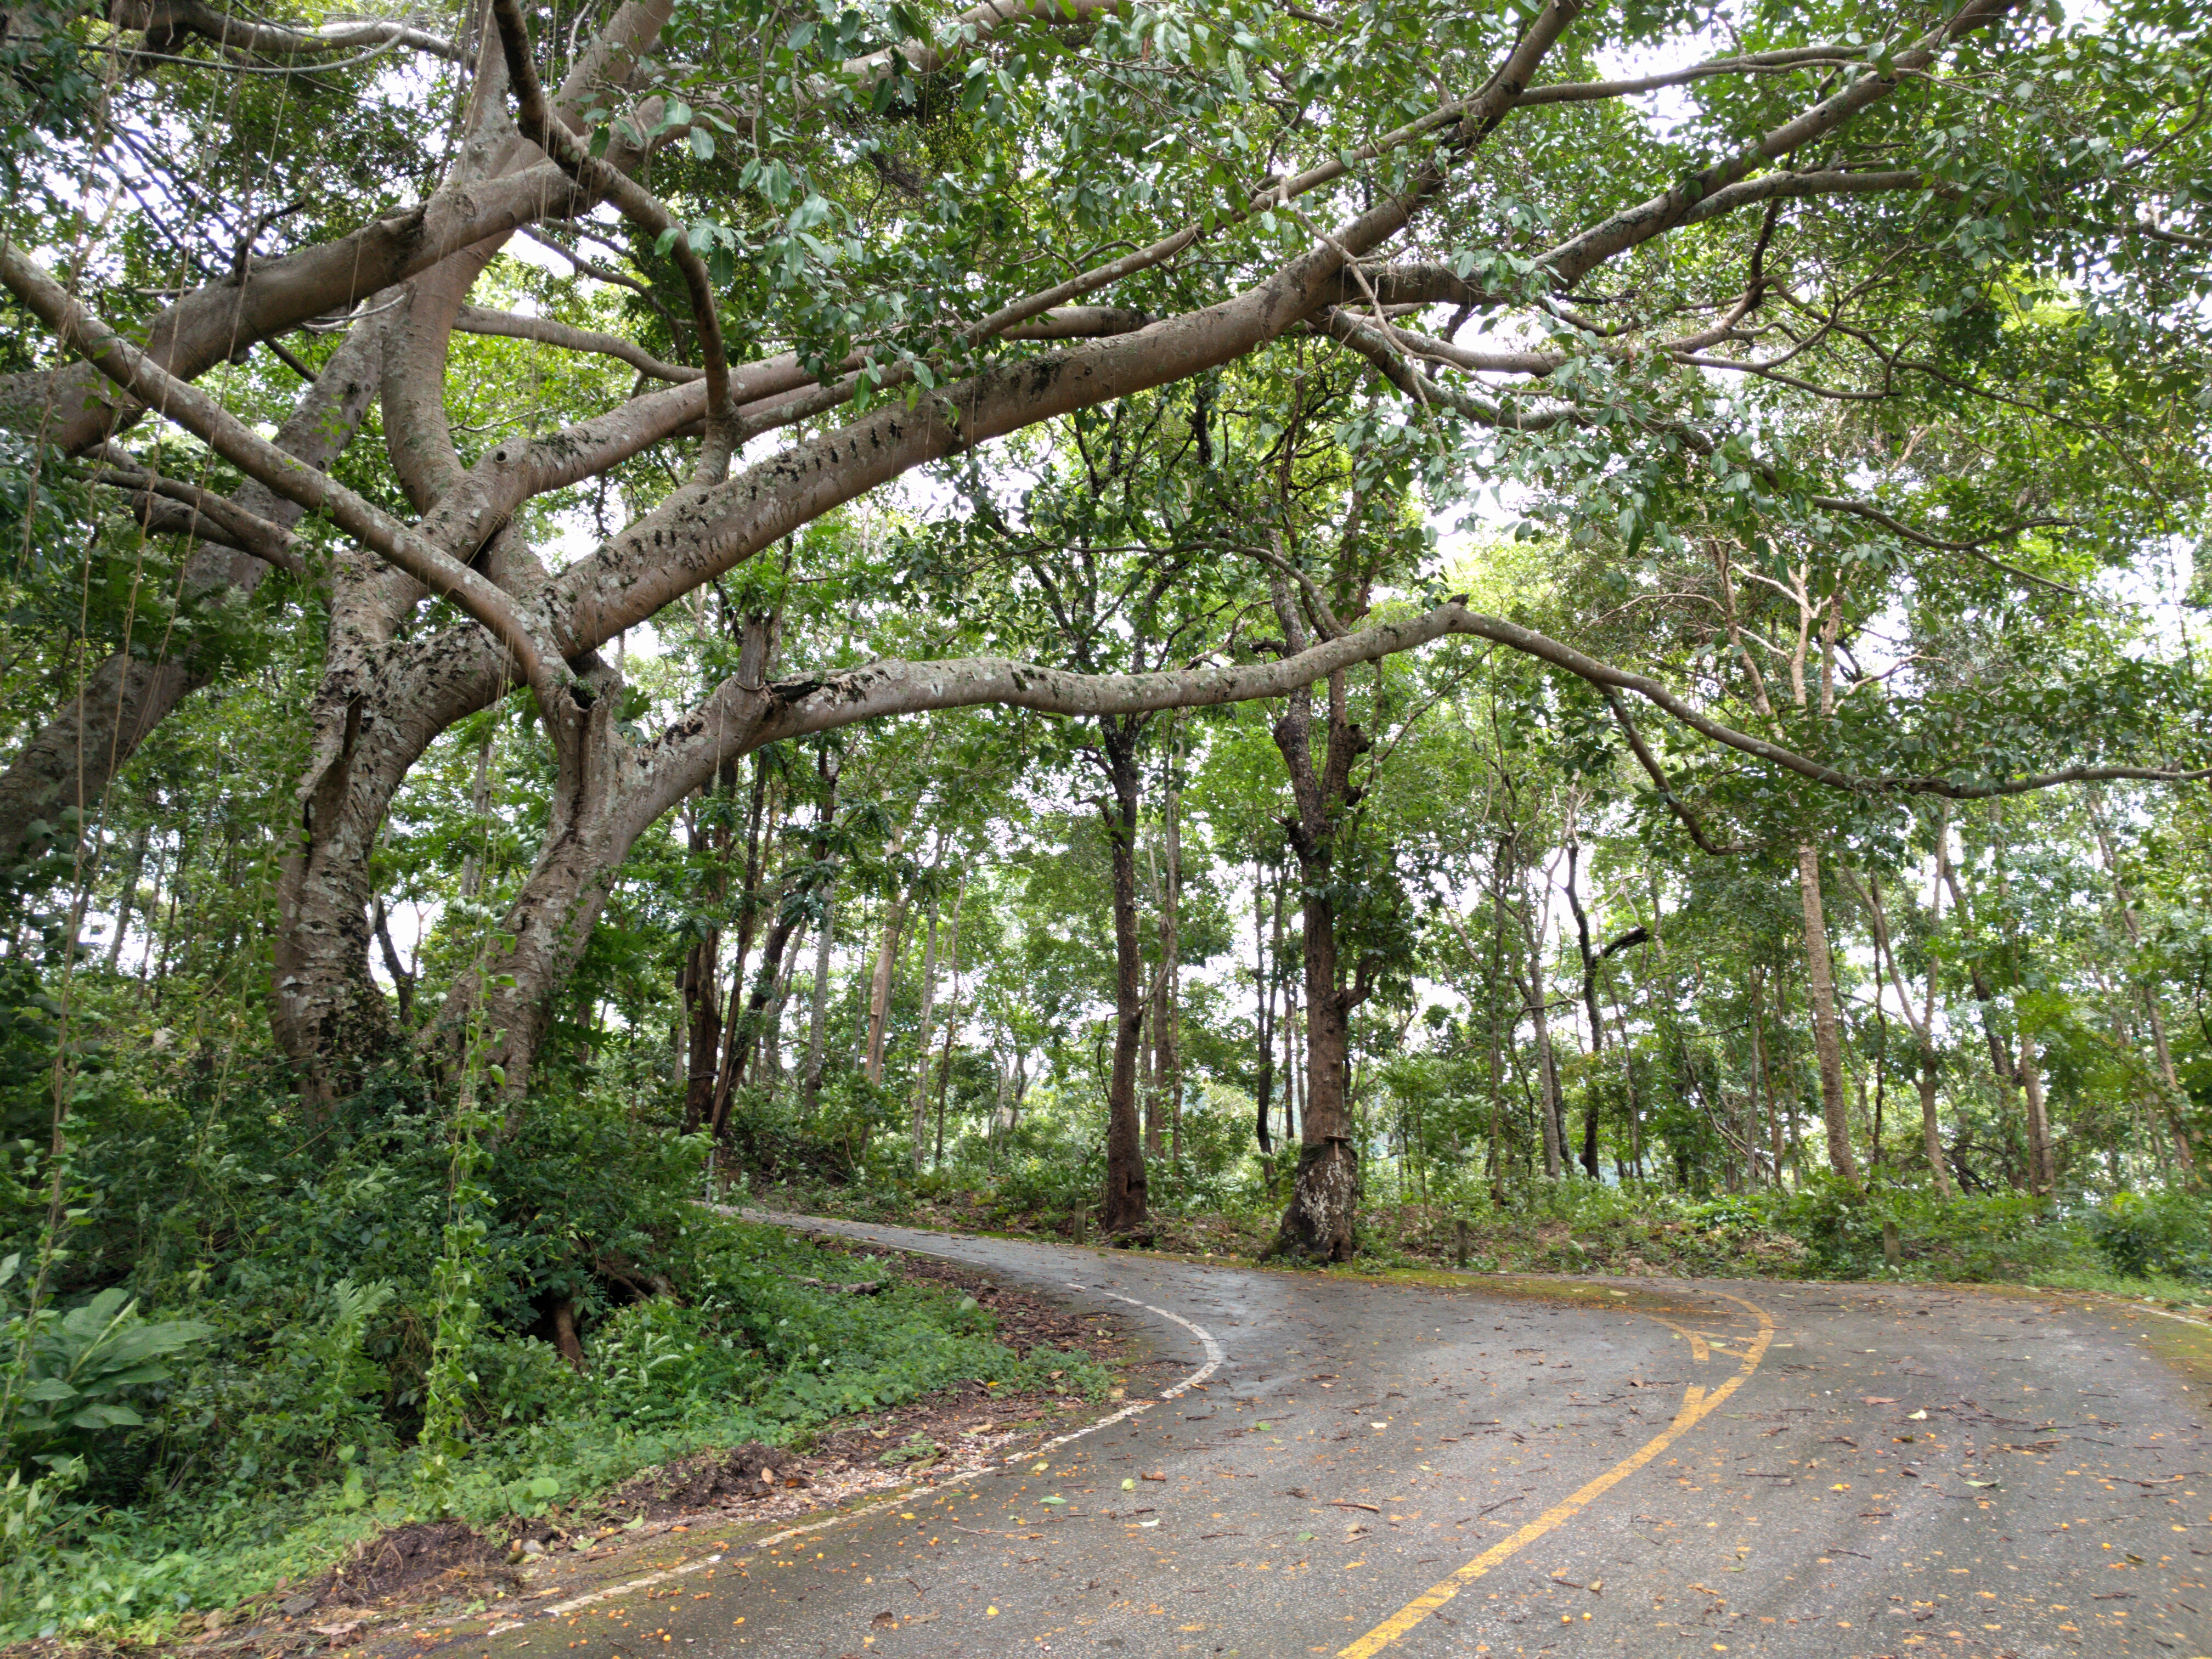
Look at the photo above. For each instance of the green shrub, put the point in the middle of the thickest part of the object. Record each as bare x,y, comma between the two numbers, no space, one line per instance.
2166,1233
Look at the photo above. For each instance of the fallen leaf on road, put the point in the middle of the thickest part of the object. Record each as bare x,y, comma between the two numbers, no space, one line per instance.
1156,1477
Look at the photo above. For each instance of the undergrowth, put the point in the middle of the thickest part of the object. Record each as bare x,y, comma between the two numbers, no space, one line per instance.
224,1385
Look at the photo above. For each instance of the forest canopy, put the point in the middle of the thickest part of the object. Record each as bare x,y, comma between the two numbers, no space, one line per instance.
1155,611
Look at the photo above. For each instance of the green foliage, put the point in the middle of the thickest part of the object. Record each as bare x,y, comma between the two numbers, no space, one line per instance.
278,1407
76,1374
2168,1234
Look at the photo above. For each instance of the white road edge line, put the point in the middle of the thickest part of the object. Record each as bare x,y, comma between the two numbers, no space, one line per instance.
1215,1358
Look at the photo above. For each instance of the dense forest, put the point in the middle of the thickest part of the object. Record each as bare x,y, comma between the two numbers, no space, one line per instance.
1549,636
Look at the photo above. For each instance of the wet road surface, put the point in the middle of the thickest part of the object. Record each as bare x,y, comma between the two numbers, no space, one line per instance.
1521,1467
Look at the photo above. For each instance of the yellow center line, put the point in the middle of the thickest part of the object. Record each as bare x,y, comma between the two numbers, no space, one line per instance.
1696,1405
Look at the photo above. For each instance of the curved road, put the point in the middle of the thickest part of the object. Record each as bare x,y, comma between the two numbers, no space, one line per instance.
1524,1466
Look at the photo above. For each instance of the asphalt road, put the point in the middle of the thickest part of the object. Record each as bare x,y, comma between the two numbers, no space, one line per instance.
1516,1466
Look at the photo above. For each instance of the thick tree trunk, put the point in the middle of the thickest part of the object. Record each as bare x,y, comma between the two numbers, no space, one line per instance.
1126,1200
327,1013
1827,1026
1321,1222
698,986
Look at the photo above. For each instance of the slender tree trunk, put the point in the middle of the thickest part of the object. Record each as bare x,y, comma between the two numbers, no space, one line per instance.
2173,1100
402,978
1628,1084
1263,1017
810,1088
1002,1070
1497,1035
918,1123
952,1018
1589,1005
699,987
472,861
2043,1175
1125,1206
763,818
768,1059
1547,1075
887,951
126,896
880,987
945,1073
1762,1082
1148,1055
1931,1130
1827,1026
154,909
1880,1077
2001,1062
1168,1022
